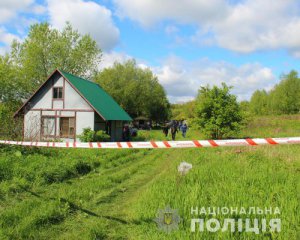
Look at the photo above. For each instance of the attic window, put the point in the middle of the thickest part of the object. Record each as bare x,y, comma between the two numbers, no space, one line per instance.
58,93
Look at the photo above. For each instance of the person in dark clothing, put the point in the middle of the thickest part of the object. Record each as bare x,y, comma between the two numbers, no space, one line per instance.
126,133
174,130
166,130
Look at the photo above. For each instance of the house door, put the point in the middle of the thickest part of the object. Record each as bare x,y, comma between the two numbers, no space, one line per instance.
67,127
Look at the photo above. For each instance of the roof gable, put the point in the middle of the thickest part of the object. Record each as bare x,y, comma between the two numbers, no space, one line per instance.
99,100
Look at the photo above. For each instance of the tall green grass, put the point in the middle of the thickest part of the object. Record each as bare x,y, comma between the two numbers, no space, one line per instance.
115,194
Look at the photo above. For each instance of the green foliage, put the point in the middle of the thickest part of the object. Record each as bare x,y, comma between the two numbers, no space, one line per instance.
218,112
183,111
10,128
259,102
6,171
101,136
58,174
46,48
61,172
82,168
11,87
284,98
137,90
31,61
88,135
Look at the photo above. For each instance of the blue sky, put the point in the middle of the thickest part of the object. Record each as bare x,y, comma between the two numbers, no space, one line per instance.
248,44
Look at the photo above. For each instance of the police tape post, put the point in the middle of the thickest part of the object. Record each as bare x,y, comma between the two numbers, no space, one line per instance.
161,144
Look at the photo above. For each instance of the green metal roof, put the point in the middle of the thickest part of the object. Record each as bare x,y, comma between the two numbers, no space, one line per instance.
101,101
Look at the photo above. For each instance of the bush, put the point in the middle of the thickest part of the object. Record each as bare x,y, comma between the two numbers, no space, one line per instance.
101,136
218,112
11,128
88,135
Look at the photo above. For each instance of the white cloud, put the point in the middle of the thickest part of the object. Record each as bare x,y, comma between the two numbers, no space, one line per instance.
108,59
182,78
86,16
11,15
148,12
171,29
10,8
39,9
243,26
256,25
6,39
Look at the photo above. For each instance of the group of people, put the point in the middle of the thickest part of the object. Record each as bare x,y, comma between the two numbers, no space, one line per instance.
172,127
175,126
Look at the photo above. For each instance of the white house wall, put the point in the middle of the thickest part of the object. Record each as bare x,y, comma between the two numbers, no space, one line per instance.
84,120
48,113
58,81
58,104
73,100
66,113
43,98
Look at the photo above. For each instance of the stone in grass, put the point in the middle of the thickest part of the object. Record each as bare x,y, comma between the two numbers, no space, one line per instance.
184,167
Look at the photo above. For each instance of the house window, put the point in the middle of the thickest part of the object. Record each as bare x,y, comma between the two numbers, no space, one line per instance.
58,93
67,127
48,126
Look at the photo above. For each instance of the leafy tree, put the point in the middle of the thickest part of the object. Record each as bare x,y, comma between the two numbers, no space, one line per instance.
11,87
137,90
31,61
9,128
259,102
245,106
45,49
218,111
183,111
285,97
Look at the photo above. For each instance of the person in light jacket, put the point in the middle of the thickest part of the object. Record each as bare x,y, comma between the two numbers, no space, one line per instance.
184,129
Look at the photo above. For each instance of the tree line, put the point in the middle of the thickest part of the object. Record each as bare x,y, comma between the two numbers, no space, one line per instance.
218,114
284,98
215,110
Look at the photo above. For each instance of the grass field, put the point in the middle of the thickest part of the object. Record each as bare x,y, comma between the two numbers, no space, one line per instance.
115,194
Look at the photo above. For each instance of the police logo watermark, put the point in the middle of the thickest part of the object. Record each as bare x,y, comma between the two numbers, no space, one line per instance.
167,219
268,221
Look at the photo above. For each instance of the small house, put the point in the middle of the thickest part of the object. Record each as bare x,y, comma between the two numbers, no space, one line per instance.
65,104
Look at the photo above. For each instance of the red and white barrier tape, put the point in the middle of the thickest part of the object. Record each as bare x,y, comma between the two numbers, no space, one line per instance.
162,144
